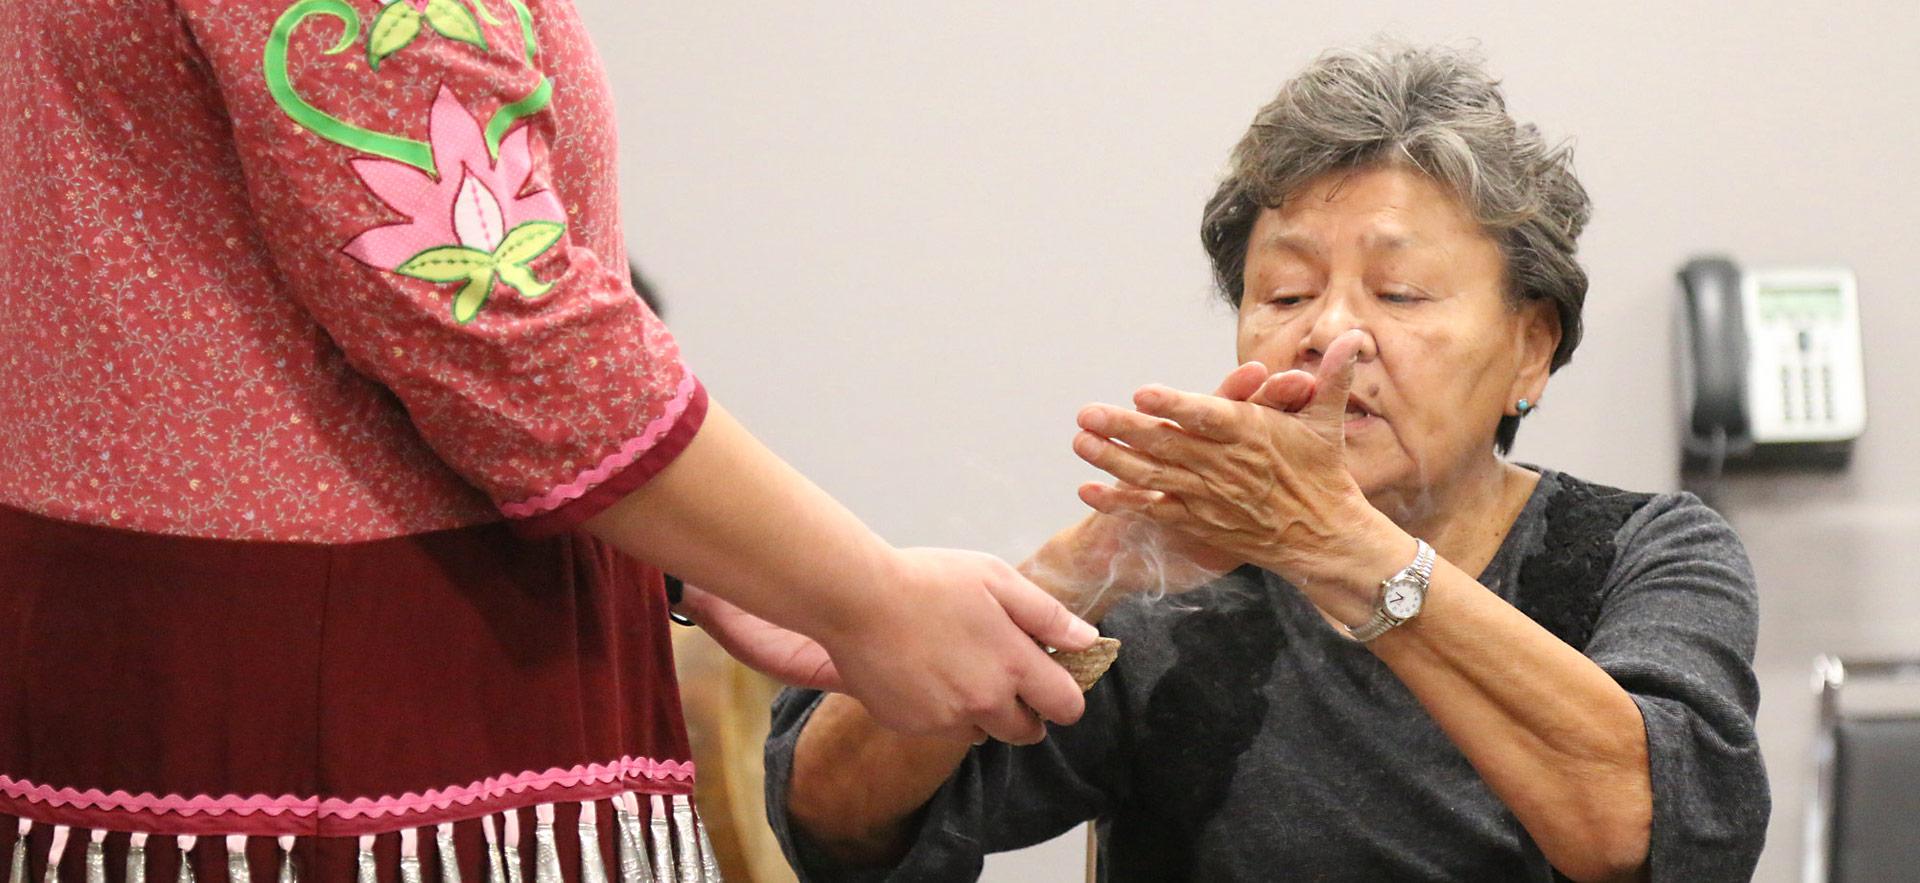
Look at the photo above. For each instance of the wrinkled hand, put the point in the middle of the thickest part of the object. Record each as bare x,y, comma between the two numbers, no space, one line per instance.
1109,556
1263,482
948,649
786,656
1250,383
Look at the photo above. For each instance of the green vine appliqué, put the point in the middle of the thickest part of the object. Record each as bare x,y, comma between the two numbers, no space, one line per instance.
396,33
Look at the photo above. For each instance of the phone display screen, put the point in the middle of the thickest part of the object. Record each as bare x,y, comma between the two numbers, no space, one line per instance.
1800,302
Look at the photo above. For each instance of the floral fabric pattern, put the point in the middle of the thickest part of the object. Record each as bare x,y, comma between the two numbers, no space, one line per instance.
375,291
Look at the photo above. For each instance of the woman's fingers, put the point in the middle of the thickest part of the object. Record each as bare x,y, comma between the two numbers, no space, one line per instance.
1242,381
1133,467
1044,619
1204,416
785,656
1017,724
1159,439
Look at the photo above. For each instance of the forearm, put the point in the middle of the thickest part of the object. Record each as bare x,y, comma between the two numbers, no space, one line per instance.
732,517
858,787
1553,735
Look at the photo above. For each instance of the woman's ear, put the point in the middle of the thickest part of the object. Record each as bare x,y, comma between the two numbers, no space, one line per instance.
1538,333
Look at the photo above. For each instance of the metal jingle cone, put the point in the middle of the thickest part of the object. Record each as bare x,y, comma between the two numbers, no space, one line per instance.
287,872
55,853
449,855
97,857
185,842
634,867
410,856
661,838
593,866
136,858
367,870
237,870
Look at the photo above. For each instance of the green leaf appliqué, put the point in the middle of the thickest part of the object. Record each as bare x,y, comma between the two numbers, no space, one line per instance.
527,241
524,243
448,263
393,28
523,281
472,296
454,22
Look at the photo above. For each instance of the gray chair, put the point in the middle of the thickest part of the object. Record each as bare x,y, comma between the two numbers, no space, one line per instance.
1863,823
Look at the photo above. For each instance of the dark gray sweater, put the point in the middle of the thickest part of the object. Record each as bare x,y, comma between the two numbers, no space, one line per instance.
1239,738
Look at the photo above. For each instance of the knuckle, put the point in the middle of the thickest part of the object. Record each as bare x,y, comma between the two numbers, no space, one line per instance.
979,705
1165,510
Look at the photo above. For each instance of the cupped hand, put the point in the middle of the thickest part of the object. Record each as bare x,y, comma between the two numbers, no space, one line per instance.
952,647
1123,554
1264,480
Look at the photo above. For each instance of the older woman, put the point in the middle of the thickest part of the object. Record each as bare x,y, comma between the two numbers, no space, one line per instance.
1427,662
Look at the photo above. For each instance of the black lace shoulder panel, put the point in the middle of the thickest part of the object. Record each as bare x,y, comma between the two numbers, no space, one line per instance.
1559,585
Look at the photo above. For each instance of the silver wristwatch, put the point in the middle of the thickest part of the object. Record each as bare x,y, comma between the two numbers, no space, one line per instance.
1401,597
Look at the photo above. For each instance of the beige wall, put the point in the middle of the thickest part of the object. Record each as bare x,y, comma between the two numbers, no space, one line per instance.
905,240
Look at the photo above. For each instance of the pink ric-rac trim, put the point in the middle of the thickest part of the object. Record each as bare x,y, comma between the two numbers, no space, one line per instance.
336,808
614,462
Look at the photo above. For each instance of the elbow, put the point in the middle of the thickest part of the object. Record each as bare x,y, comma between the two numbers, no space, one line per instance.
1612,829
833,818
820,802
1616,832
1613,850
856,790
1613,866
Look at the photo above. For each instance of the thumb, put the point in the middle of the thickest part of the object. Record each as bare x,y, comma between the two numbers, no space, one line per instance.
1040,615
1328,409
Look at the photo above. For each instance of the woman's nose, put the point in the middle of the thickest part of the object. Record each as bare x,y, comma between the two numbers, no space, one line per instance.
1337,316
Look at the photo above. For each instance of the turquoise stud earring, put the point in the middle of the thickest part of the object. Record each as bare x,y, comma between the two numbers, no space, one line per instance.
1524,407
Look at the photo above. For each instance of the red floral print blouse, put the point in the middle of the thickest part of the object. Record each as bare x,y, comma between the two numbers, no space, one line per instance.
319,271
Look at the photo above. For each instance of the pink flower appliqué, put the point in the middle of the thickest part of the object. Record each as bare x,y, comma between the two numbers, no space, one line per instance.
473,222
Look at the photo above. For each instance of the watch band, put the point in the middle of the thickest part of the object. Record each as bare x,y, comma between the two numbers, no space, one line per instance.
1420,573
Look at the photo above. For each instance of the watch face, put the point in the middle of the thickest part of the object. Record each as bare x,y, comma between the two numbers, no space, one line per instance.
1402,600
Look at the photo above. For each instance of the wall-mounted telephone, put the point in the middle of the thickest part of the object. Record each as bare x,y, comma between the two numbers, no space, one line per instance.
1770,366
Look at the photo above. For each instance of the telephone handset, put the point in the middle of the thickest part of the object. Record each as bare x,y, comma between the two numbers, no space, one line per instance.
1770,366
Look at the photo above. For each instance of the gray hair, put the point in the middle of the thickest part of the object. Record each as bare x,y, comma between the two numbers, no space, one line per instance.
1437,111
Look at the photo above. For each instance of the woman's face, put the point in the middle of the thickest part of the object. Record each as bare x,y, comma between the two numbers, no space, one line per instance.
1392,253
